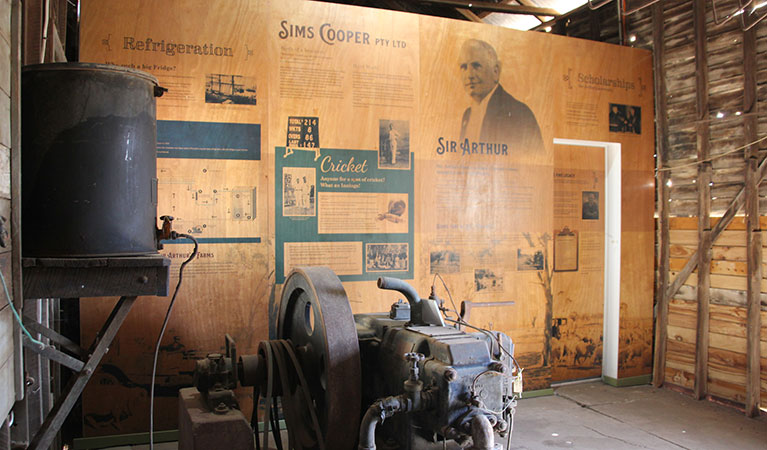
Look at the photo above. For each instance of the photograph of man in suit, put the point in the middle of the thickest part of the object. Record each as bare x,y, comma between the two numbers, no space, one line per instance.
494,116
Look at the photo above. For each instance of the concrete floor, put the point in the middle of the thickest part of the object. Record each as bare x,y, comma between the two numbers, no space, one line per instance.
593,415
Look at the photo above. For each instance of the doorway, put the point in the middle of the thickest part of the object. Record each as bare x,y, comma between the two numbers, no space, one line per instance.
586,260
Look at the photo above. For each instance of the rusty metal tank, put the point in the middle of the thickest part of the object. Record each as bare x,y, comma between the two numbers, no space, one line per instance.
89,161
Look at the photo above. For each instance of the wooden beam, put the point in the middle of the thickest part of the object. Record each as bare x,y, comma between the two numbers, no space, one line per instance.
704,201
18,297
661,152
529,3
469,15
495,7
753,228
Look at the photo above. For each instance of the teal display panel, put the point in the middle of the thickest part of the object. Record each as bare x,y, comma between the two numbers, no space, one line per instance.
342,205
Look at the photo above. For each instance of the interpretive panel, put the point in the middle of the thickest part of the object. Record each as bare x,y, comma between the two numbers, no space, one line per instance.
343,197
378,143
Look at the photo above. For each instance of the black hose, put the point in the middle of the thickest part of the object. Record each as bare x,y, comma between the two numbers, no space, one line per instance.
376,413
162,332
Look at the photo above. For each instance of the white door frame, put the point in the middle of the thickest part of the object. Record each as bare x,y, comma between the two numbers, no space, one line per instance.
612,285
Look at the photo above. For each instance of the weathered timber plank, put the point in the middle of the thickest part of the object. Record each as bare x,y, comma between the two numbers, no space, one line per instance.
682,334
677,319
679,377
729,238
739,268
724,282
661,138
731,343
724,297
691,223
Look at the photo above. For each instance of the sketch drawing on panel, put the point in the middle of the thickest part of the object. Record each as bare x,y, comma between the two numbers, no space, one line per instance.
393,144
298,191
386,257
230,89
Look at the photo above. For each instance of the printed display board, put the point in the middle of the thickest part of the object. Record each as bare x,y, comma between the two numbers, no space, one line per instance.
376,143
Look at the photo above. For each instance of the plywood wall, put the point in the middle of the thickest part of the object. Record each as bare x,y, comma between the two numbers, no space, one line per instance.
727,326
323,87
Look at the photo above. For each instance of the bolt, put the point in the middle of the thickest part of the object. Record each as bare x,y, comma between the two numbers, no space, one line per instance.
450,374
498,367
502,425
143,279
221,408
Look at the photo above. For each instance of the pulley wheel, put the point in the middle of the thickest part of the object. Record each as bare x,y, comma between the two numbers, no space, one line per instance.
316,317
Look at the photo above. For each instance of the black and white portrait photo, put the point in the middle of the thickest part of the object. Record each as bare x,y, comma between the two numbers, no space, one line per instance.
393,144
298,191
590,207
494,116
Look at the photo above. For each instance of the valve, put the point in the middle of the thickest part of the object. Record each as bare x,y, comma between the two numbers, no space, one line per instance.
414,359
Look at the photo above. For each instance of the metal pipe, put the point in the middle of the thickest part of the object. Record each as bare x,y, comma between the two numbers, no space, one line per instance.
395,284
482,433
376,413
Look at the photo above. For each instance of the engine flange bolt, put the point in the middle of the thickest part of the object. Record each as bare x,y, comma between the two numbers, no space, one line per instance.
498,367
502,425
450,374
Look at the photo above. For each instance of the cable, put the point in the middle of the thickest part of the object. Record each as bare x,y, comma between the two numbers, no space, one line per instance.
162,332
511,430
16,313
460,321
455,308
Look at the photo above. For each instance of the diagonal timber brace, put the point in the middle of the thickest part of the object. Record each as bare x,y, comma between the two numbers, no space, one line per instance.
736,204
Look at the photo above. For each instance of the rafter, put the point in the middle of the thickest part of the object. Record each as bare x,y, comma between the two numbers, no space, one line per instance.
495,7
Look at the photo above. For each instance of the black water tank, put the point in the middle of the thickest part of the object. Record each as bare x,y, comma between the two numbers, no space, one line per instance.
89,167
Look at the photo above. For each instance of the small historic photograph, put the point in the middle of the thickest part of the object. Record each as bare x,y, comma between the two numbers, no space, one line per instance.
395,212
230,89
529,259
625,119
299,196
393,144
444,261
386,257
486,280
590,205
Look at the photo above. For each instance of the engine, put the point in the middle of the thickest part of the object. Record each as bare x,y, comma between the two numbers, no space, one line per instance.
407,379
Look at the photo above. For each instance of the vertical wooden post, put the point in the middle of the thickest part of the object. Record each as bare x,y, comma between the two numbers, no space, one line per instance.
704,201
753,229
18,298
661,152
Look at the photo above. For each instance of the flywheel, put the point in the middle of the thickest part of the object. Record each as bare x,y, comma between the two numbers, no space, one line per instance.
315,316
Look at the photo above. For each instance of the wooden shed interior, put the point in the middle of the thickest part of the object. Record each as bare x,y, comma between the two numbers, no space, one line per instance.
627,248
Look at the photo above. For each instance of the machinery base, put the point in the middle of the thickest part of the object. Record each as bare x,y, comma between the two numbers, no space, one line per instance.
201,429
